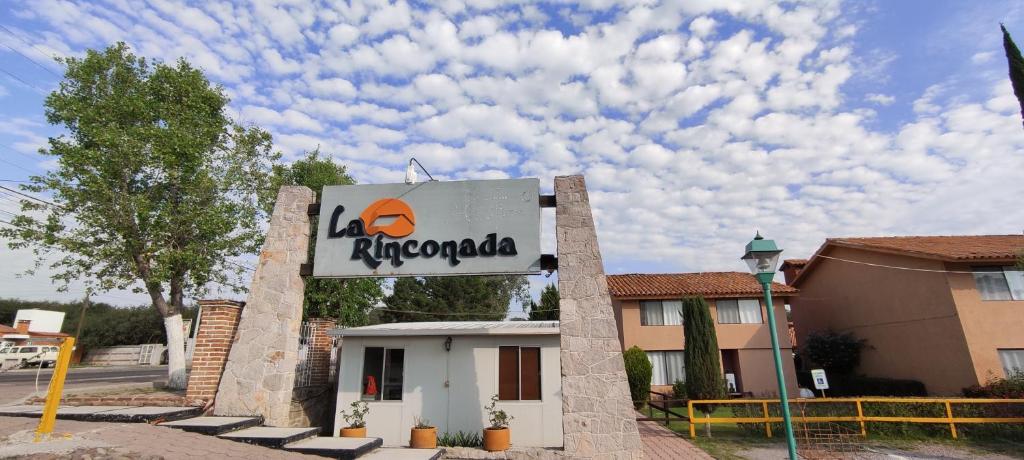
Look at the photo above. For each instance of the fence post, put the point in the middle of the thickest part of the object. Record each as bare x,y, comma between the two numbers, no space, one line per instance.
689,411
949,415
56,389
767,419
860,418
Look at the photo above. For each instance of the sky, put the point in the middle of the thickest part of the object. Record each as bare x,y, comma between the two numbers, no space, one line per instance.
695,123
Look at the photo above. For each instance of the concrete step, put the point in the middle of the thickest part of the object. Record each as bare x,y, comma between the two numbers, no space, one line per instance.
403,453
270,436
129,414
214,426
340,448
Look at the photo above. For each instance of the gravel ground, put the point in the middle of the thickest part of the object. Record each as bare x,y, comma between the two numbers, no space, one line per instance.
919,452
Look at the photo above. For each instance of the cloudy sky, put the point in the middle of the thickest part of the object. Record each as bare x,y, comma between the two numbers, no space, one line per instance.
694,122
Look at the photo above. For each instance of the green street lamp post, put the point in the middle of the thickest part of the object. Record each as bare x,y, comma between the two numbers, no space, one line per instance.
763,257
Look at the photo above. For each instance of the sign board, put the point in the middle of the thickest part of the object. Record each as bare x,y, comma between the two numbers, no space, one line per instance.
820,381
429,229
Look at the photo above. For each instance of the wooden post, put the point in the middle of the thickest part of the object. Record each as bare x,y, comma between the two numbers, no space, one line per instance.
689,410
767,419
56,389
949,415
860,417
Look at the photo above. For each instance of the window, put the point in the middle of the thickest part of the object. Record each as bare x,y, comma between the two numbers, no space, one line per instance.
383,374
519,373
1013,361
661,312
741,311
999,283
666,367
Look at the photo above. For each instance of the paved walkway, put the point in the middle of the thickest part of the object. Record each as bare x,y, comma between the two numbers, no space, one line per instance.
661,443
125,440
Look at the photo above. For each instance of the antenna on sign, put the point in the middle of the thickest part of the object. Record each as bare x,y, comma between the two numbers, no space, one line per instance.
410,172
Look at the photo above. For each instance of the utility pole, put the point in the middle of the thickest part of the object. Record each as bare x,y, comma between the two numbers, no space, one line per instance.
81,317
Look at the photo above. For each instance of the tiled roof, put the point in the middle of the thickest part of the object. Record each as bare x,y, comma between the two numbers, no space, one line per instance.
450,328
951,248
5,329
794,262
710,285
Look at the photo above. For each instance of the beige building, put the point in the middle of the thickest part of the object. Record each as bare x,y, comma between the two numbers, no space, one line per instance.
945,310
647,312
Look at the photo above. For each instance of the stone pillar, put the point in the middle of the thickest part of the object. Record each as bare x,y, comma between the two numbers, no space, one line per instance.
319,356
217,325
260,371
598,420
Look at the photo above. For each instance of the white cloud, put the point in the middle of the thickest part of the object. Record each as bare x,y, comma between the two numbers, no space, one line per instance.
880,99
280,65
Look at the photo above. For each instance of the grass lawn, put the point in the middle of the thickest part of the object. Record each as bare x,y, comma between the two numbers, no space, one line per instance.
728,440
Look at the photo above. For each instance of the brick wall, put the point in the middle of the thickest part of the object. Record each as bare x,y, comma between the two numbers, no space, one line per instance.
320,350
217,325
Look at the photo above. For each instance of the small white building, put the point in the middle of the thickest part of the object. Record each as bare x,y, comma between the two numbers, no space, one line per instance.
447,372
40,320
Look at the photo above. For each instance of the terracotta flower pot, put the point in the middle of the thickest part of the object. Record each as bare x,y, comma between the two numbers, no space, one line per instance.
423,438
496,439
351,432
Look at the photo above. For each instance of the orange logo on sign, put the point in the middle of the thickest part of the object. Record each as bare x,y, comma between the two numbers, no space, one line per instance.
403,225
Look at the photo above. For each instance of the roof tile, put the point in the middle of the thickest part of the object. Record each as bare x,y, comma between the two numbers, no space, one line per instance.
967,247
709,284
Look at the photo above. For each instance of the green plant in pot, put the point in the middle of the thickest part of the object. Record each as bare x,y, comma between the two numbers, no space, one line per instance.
423,435
356,419
497,437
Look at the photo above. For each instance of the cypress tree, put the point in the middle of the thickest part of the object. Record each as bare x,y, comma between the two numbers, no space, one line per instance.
704,378
1016,63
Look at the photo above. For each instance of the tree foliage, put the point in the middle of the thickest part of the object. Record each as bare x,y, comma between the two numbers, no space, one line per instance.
453,298
348,301
105,325
638,375
1016,64
836,353
548,308
704,378
155,188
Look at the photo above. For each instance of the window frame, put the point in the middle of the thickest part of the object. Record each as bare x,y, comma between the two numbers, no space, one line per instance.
991,270
661,303
664,360
739,316
1002,361
383,373
519,374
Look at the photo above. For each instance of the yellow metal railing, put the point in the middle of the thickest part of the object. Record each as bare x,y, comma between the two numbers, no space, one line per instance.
857,406
56,390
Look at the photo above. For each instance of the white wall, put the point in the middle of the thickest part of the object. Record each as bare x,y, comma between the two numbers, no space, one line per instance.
472,372
42,320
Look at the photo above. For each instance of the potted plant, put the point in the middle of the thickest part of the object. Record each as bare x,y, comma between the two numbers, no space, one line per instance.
423,435
497,436
356,420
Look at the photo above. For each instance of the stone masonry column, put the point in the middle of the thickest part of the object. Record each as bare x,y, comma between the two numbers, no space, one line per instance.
319,356
217,324
598,420
260,371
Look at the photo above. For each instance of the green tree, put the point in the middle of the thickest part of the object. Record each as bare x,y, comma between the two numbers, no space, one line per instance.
453,298
548,308
154,187
346,300
1016,63
701,356
836,353
638,375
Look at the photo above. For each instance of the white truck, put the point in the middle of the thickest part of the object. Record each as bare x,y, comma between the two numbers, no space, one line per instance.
29,355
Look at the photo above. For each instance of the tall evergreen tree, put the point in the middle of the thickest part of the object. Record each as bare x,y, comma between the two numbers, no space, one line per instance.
548,308
1016,63
704,378
346,300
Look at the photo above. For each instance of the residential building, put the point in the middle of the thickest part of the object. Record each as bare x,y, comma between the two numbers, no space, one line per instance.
648,314
33,327
945,310
446,372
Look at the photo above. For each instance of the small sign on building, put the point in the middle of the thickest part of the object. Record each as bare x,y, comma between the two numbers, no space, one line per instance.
820,381
429,229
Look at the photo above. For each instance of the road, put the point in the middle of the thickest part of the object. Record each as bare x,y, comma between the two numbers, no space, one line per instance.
20,384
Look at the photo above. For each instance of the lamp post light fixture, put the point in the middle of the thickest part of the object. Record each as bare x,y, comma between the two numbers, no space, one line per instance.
762,257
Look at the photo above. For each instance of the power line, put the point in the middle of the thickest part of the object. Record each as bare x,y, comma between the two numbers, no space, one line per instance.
32,61
30,197
41,53
17,166
16,180
9,74
894,267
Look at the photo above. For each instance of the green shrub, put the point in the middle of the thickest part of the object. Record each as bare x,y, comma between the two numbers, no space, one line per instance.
704,379
638,373
460,439
859,385
1011,387
836,353
679,389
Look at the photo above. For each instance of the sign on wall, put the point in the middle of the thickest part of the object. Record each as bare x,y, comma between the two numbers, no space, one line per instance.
820,381
429,229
